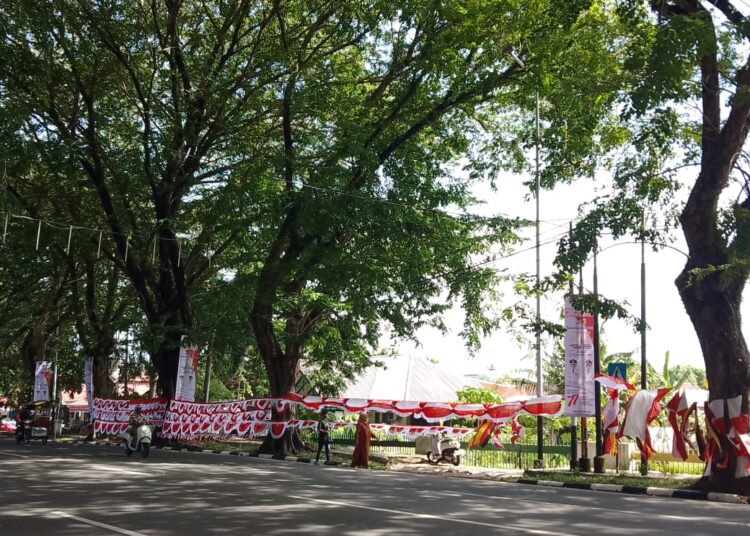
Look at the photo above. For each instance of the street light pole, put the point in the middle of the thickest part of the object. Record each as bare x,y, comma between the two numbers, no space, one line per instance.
539,464
644,378
599,459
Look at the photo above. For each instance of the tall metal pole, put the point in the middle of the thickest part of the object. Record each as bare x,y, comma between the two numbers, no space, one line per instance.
207,378
539,386
599,460
644,372
584,463
573,420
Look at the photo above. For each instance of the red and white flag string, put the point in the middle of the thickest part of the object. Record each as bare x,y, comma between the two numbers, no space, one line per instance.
251,418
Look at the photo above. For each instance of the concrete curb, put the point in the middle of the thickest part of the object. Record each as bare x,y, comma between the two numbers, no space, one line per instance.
609,488
637,490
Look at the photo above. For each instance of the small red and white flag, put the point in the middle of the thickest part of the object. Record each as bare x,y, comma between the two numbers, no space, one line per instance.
611,421
610,382
678,408
642,408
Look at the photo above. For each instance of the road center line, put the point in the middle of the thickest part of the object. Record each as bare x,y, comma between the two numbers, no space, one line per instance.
11,454
110,528
517,528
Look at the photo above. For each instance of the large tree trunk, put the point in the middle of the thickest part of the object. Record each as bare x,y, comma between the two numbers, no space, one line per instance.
712,296
715,314
33,349
166,360
282,369
104,385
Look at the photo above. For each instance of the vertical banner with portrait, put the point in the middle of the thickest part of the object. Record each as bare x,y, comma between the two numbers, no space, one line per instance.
42,381
579,362
187,373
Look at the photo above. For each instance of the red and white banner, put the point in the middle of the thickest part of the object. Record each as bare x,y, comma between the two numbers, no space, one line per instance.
42,381
187,374
579,362
546,406
112,415
250,418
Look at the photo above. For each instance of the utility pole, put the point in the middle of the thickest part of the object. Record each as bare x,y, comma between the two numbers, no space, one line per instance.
573,420
584,463
539,463
599,459
644,372
207,376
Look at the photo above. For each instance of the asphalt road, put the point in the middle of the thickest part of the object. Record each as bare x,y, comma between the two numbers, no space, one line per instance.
74,490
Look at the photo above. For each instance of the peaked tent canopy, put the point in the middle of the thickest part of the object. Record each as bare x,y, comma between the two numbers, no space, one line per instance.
409,378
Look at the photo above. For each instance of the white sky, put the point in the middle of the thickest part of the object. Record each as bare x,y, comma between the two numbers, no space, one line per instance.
619,279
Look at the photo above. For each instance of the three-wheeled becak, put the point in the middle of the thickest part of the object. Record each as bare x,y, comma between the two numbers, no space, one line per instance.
34,422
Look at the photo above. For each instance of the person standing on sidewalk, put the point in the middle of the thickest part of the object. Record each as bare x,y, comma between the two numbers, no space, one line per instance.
324,438
363,435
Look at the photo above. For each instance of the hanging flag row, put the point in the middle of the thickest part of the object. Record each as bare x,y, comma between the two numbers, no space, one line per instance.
546,406
253,428
249,417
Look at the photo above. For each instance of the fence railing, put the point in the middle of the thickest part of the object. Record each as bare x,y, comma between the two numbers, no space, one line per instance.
518,456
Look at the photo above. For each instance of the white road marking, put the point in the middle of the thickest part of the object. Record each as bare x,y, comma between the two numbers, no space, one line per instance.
110,528
517,528
12,454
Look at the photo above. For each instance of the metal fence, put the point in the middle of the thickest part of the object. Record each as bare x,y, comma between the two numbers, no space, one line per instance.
519,456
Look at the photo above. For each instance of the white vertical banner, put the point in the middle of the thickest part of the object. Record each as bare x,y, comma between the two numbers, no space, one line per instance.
42,380
187,371
579,362
88,377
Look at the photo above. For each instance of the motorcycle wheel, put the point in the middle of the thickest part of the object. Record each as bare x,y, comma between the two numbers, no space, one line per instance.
431,458
455,459
128,452
145,449
44,441
19,439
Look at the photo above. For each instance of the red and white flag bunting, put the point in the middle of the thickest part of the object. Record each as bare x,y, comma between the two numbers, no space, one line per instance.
548,406
250,418
610,382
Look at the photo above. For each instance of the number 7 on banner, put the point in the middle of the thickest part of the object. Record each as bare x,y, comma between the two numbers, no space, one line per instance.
572,399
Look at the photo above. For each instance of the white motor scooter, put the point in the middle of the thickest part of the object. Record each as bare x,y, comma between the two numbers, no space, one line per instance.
446,449
142,441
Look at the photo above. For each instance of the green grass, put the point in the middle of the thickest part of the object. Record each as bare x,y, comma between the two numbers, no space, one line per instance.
620,480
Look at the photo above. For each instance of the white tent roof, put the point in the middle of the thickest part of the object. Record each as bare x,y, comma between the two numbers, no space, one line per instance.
409,378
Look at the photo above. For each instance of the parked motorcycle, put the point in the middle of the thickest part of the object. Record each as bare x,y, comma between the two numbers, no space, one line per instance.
142,442
446,449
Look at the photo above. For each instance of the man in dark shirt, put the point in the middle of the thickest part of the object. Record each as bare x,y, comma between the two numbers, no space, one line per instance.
323,438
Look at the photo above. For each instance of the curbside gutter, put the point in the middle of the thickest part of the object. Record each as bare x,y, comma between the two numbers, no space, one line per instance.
637,490
609,488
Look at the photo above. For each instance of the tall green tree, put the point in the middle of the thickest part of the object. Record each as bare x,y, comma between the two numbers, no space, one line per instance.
156,105
683,98
380,105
